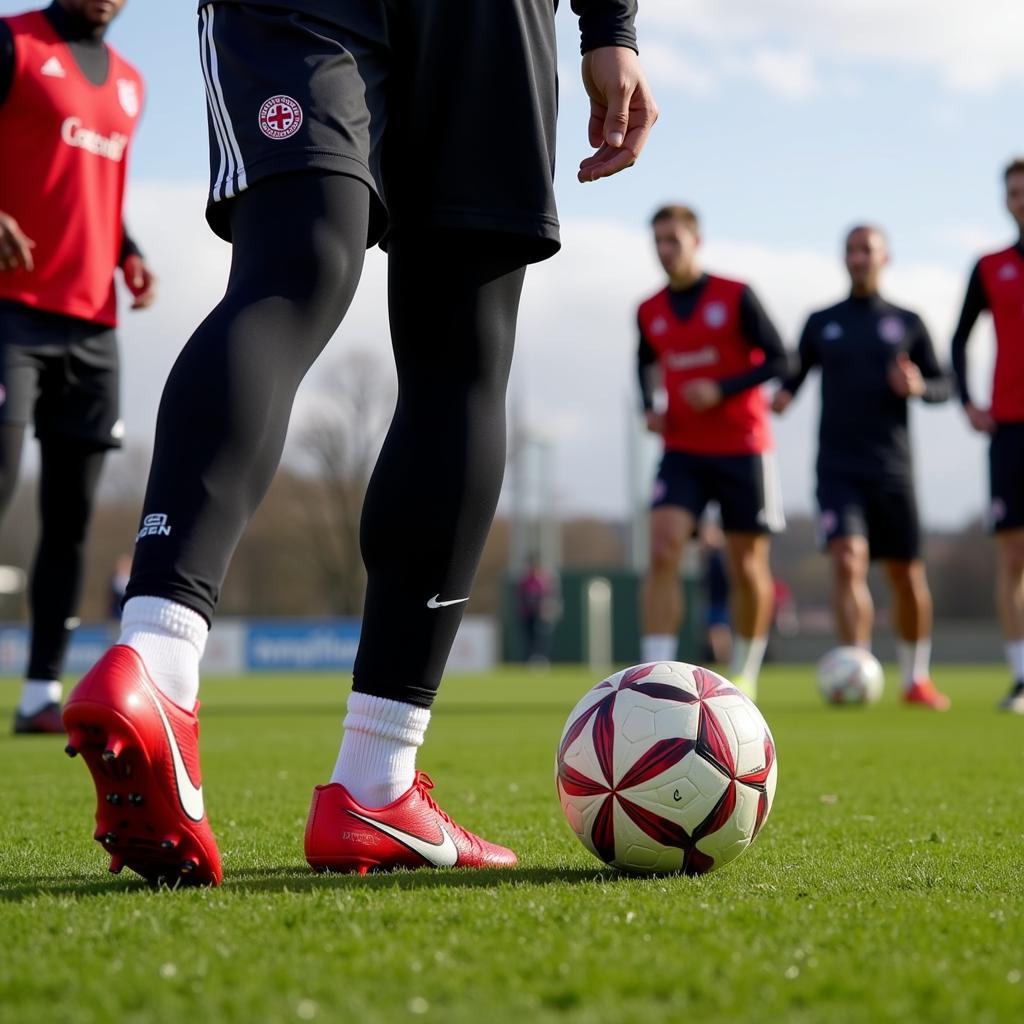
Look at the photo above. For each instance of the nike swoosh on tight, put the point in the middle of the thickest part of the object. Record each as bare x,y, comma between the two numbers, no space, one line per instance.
444,854
434,603
190,796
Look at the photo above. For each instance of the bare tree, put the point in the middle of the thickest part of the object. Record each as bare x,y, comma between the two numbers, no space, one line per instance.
339,442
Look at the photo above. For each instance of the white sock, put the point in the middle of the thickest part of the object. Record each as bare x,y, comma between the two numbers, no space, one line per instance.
377,759
658,647
747,655
1015,659
37,693
170,639
915,657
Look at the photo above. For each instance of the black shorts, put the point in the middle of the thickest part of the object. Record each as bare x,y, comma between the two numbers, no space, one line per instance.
60,373
1006,477
884,512
746,488
446,110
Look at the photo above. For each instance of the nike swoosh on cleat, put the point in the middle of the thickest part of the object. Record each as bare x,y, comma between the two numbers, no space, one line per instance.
190,796
444,854
434,603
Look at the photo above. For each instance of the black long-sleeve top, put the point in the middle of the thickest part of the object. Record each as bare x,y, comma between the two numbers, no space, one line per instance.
863,428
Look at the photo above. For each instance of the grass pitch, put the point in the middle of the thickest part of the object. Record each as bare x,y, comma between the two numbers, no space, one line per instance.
886,886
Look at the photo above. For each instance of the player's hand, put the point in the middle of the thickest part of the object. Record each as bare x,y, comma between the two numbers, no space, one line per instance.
655,422
702,394
140,280
905,377
980,419
15,246
622,111
781,401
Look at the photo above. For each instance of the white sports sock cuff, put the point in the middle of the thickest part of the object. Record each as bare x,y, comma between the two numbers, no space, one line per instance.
1015,658
392,719
165,618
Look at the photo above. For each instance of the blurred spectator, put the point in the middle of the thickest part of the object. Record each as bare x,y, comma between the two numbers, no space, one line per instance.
540,607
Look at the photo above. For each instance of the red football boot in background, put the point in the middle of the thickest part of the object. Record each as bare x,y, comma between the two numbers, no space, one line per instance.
45,721
924,694
410,832
143,752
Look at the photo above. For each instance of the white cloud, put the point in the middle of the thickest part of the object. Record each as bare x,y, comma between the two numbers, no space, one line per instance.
669,66
972,48
574,369
788,73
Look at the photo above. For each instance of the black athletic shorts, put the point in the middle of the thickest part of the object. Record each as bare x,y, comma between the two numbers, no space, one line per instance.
445,109
60,373
884,512
1006,477
746,488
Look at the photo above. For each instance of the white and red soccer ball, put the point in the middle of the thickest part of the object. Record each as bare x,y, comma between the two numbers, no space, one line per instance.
850,675
666,768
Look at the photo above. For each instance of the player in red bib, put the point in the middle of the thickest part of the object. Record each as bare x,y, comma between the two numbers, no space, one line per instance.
68,109
713,346
997,285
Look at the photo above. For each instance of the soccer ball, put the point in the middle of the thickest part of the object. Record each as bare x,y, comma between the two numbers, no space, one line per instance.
666,768
850,675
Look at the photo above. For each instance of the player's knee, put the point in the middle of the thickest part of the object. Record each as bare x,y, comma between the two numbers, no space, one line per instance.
849,560
1012,554
753,572
908,577
666,553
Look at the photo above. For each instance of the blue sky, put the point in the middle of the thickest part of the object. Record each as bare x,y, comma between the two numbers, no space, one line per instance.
782,122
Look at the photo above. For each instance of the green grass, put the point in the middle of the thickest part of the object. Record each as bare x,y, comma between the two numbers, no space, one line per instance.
886,886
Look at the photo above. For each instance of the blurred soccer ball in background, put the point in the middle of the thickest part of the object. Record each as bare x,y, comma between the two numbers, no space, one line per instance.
850,675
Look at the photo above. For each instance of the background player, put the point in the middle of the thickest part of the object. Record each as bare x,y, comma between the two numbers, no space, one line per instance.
997,284
68,108
874,357
305,98
712,345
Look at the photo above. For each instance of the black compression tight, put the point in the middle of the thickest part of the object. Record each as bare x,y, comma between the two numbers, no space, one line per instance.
69,472
298,249
12,440
433,492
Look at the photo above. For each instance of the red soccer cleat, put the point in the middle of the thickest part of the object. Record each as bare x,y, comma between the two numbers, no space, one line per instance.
410,832
922,693
143,752
46,721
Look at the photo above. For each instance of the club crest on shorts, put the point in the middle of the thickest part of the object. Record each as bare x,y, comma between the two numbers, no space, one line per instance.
128,96
280,117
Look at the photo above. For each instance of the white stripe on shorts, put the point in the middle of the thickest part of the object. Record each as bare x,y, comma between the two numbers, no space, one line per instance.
775,518
235,180
218,129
